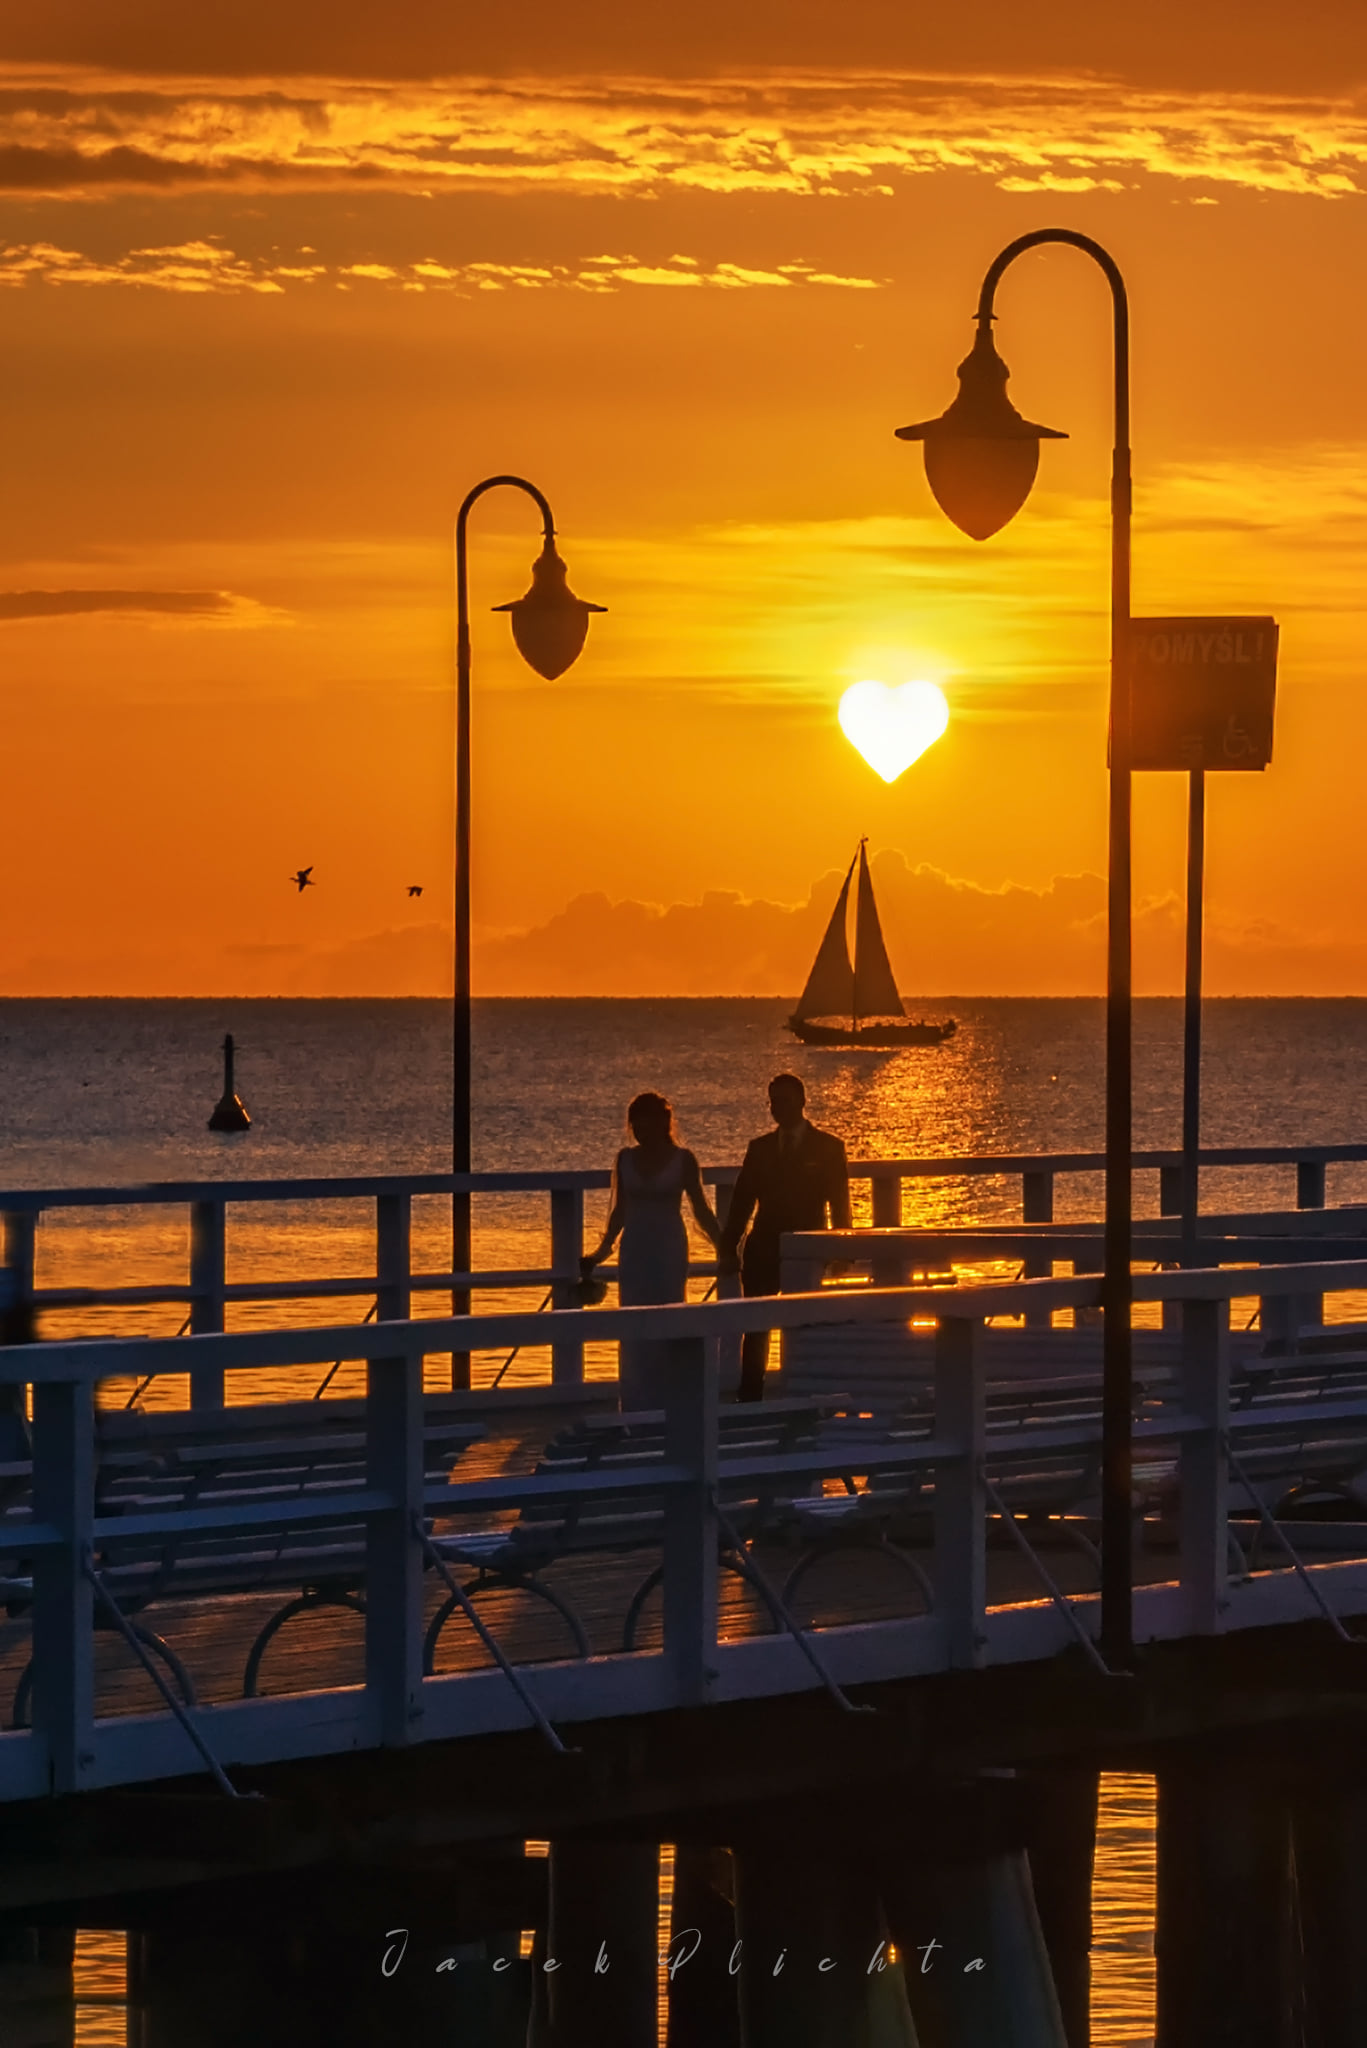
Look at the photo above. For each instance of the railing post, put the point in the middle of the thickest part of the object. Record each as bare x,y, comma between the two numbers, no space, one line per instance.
1204,1513
799,1272
393,1257
18,1229
208,1275
887,1215
1039,1268
18,1316
960,1510
723,1187
462,1261
1310,1194
393,1585
1282,1316
1037,1206
1172,1201
567,1245
690,1520
728,1288
1037,1196
1083,1264
63,1621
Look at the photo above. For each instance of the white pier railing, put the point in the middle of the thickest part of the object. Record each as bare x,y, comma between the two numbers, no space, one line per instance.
961,1465
225,1216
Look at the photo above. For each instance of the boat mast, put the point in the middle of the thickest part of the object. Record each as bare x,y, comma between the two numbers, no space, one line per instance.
854,990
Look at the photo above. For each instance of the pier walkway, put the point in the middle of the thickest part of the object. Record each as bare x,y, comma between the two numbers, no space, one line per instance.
299,1595
938,1486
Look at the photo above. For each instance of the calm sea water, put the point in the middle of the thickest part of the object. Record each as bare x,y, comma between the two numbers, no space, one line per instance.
109,1093
101,1091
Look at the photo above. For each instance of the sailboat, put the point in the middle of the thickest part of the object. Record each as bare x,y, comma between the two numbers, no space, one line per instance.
864,991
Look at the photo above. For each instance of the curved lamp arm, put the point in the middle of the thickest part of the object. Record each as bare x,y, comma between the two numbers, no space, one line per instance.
471,499
1070,239
461,1049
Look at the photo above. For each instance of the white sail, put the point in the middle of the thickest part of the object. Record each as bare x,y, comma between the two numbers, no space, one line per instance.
830,985
875,987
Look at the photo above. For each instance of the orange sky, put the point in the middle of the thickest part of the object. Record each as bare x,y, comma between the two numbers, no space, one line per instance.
276,294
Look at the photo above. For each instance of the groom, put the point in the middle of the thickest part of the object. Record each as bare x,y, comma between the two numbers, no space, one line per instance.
789,1180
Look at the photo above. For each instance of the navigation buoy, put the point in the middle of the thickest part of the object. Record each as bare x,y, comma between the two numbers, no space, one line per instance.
229,1112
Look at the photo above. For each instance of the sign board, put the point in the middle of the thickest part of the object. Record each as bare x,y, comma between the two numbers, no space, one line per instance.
1202,693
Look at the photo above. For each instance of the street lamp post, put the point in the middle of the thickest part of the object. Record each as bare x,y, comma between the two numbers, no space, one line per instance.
549,625
981,458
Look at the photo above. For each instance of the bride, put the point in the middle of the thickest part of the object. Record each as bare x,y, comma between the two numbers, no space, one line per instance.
649,1182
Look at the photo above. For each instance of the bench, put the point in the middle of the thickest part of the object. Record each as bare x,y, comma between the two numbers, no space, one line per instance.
1299,1410
888,1367
629,1446
272,1457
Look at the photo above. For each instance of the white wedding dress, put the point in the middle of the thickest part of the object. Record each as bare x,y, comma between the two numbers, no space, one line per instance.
652,1266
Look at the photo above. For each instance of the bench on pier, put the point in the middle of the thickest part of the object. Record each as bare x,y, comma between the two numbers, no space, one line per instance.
1043,1457
888,1368
1297,1406
279,1472
630,1446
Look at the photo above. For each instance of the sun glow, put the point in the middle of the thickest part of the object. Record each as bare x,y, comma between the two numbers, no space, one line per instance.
891,728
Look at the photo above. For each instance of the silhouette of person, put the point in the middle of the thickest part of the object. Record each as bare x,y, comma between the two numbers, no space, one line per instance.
790,1178
649,1182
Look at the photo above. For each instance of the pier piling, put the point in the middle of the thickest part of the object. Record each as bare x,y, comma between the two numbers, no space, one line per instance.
37,1995
603,1935
704,2008
1224,1904
344,1959
1328,1816
961,1909
1060,1819
812,1937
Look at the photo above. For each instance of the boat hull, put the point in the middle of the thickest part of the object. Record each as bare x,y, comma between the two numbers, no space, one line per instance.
874,1035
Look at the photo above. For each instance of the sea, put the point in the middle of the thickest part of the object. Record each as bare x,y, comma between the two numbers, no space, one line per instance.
117,1093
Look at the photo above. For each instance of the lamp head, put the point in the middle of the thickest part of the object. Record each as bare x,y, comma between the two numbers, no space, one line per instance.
550,622
981,456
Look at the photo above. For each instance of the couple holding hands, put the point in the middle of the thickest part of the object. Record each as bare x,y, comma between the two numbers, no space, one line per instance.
791,1178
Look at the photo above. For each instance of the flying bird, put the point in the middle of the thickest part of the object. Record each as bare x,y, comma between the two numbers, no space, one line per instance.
415,888
304,880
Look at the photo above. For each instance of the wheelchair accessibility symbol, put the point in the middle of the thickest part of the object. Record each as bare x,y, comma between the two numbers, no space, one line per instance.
1237,744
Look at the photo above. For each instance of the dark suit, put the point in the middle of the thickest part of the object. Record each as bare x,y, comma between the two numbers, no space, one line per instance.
783,1187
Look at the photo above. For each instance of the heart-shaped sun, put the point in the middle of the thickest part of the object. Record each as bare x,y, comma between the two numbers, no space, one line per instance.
892,728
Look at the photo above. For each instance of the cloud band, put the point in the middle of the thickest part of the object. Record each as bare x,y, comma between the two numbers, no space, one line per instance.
800,134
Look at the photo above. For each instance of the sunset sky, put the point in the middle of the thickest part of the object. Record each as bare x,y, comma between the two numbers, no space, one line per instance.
281,282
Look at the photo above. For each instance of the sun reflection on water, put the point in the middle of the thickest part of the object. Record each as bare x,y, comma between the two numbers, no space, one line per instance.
1123,1913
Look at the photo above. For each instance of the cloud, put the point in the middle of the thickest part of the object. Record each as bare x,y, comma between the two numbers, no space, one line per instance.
802,134
217,610
944,936
406,960
66,604
205,266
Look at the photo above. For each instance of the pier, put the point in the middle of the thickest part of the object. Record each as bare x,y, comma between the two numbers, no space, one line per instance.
286,1678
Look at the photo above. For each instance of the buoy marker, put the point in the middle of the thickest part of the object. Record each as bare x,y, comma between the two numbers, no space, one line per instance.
230,1112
